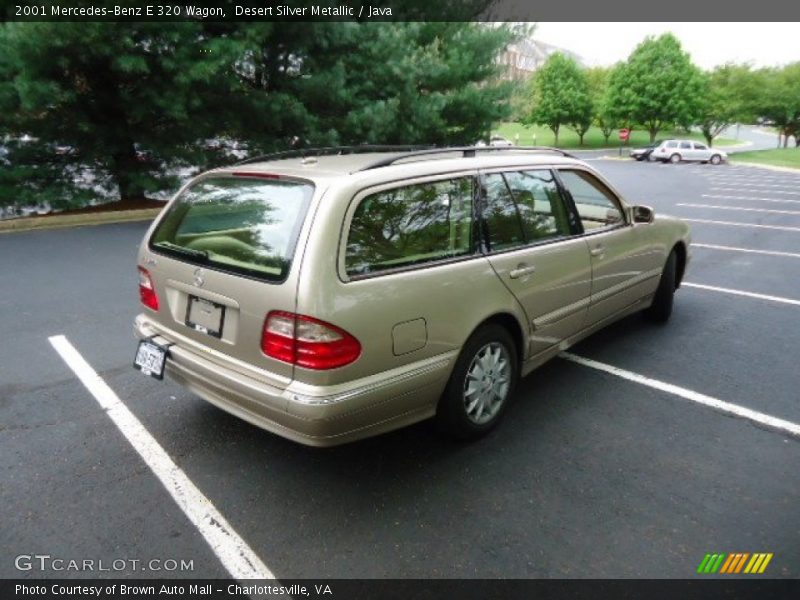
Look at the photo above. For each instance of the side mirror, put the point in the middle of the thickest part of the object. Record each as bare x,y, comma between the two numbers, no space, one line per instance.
642,214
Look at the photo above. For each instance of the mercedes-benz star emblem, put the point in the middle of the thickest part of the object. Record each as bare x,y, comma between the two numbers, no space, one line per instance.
199,280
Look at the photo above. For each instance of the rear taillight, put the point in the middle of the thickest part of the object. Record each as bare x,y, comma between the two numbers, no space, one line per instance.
307,342
147,293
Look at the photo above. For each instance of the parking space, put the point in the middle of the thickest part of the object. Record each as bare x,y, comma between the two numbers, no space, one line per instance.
591,474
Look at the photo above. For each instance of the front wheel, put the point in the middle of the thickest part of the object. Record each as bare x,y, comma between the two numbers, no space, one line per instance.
661,308
716,159
675,159
481,384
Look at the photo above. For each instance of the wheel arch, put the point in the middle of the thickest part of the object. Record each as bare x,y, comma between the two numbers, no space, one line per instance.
680,267
511,324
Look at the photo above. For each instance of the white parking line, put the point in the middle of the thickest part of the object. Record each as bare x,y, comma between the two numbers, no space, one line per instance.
749,250
233,552
726,407
757,188
742,293
750,198
759,181
741,208
762,174
737,224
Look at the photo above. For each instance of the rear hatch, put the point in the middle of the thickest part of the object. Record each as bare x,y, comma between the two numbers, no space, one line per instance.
220,260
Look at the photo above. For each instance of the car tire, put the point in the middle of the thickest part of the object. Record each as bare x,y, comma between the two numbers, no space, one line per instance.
675,159
716,159
481,384
661,308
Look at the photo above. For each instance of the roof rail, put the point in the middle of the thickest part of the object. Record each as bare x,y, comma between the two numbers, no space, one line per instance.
331,151
467,152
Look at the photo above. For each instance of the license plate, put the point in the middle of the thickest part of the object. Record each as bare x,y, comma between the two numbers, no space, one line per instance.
150,359
205,316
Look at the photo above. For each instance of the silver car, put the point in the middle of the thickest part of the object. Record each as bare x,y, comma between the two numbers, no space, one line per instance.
331,296
675,151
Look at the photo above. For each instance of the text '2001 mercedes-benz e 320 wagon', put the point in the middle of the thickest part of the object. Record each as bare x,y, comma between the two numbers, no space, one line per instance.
335,295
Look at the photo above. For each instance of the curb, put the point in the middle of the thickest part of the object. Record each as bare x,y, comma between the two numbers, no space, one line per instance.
100,218
768,167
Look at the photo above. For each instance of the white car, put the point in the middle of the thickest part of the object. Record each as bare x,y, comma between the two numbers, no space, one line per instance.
675,151
500,141
496,140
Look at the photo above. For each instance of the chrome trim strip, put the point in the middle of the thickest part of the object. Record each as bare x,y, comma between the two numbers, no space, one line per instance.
624,285
305,394
557,315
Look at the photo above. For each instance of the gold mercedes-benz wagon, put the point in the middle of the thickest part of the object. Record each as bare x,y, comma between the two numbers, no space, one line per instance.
336,294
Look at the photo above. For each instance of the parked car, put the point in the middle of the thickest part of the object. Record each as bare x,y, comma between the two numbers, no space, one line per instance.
497,141
645,152
675,151
328,298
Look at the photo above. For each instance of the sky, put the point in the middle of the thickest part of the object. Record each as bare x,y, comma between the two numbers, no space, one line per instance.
709,44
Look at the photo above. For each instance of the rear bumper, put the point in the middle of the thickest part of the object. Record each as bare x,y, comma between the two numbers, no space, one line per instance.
311,415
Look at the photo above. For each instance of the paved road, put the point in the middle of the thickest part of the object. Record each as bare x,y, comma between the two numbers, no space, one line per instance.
589,476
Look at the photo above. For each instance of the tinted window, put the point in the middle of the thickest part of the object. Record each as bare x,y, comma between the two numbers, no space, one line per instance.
411,225
699,146
686,145
672,144
242,224
522,207
596,204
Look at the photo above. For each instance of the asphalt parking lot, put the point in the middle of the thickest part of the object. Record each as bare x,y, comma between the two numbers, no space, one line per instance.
591,475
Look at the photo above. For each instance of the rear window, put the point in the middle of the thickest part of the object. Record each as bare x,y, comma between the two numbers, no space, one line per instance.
245,225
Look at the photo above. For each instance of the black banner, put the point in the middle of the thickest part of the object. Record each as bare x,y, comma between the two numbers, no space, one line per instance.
404,589
398,10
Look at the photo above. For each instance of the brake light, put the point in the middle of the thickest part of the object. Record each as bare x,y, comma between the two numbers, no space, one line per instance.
307,342
147,292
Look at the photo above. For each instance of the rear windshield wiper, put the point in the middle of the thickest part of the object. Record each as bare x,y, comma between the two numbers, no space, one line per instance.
183,250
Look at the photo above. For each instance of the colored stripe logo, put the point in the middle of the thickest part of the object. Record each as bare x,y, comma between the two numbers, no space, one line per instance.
732,563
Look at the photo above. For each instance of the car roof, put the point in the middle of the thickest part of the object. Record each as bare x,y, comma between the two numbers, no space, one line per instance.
427,160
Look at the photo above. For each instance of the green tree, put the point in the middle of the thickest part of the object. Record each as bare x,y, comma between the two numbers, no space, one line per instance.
114,97
122,105
778,100
725,94
561,96
602,111
658,86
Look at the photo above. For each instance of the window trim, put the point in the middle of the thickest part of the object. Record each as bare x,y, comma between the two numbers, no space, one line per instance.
361,195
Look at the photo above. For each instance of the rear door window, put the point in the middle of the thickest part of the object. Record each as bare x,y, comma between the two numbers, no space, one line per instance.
411,225
246,225
521,208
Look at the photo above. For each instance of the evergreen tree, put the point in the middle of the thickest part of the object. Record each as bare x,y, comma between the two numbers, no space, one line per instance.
120,106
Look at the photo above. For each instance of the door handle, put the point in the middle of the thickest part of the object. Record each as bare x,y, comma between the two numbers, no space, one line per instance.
521,270
598,251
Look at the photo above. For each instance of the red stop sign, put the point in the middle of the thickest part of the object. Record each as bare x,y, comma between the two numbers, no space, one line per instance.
624,134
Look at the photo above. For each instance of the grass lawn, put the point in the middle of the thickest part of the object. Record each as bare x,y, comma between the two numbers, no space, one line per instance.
779,157
567,138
